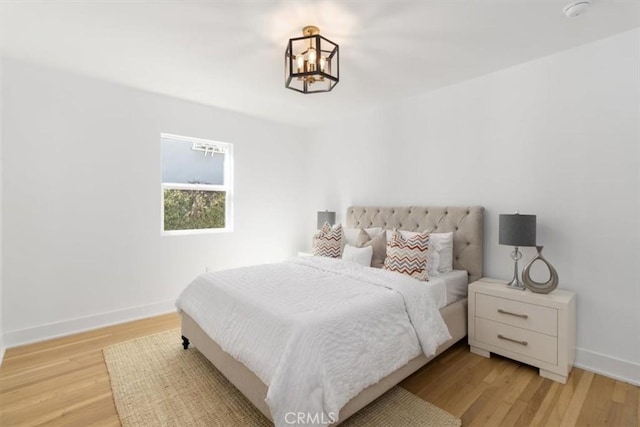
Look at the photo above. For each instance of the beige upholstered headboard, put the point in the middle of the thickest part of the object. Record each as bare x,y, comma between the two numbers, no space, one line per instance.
466,223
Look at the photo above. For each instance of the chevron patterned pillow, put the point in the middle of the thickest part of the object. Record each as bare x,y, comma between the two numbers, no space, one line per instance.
328,241
408,255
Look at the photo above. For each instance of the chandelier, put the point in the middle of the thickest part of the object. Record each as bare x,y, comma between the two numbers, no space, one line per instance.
311,62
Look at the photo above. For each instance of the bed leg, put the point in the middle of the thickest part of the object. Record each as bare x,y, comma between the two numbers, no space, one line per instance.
185,342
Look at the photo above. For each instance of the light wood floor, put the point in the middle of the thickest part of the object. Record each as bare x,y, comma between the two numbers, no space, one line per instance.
65,382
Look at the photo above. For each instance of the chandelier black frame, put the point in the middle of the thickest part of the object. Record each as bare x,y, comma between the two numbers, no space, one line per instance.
311,62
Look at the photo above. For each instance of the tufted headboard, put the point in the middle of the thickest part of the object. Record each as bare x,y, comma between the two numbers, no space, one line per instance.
466,223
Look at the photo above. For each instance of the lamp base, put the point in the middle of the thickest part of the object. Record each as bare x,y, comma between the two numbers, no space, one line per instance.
515,283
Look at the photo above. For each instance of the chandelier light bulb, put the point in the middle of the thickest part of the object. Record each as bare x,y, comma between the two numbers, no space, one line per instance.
300,61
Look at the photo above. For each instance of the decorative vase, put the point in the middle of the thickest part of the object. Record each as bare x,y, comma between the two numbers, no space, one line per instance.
532,285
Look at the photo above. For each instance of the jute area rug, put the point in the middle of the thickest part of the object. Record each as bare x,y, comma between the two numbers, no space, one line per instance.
157,383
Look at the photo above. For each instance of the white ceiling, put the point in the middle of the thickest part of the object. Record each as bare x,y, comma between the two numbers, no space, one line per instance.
230,54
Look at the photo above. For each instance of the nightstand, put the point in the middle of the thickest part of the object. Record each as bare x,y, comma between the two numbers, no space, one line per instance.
537,329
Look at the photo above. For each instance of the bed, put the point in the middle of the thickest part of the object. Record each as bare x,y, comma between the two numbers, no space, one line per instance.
466,224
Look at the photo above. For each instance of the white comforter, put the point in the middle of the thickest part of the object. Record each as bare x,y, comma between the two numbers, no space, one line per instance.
316,331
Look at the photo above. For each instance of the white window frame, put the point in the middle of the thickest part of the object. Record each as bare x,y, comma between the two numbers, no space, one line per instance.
227,187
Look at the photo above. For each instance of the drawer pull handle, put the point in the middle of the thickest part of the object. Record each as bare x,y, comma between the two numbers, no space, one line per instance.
524,316
502,337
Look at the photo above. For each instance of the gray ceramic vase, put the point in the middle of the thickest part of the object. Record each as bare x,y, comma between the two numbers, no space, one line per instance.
532,285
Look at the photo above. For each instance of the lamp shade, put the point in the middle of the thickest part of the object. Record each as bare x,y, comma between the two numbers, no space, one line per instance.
326,216
517,230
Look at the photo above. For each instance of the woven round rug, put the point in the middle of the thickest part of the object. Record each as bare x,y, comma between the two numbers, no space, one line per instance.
157,383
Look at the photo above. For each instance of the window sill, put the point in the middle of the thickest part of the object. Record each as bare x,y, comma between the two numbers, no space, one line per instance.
165,233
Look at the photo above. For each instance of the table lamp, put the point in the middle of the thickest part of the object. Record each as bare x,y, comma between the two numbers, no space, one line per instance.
326,216
517,230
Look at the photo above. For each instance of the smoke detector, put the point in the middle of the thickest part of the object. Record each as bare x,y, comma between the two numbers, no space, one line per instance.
576,8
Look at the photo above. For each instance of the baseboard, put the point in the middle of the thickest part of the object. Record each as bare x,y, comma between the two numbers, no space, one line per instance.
2,349
608,366
73,326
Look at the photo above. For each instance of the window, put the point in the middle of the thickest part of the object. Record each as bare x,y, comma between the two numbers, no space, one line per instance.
196,185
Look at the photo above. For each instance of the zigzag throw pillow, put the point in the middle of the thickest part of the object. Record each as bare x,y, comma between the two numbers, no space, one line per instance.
328,241
408,255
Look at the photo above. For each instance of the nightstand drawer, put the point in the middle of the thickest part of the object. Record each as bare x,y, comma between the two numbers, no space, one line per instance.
528,343
522,315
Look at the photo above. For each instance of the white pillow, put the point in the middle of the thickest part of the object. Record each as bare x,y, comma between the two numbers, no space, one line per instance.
360,256
351,234
443,242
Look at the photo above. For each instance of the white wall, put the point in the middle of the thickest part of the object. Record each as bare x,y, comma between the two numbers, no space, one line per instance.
557,137
82,244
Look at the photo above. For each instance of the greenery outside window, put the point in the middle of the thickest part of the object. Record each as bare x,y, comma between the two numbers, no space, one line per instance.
196,185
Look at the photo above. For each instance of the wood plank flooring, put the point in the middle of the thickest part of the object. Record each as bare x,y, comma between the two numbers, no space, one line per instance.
64,382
